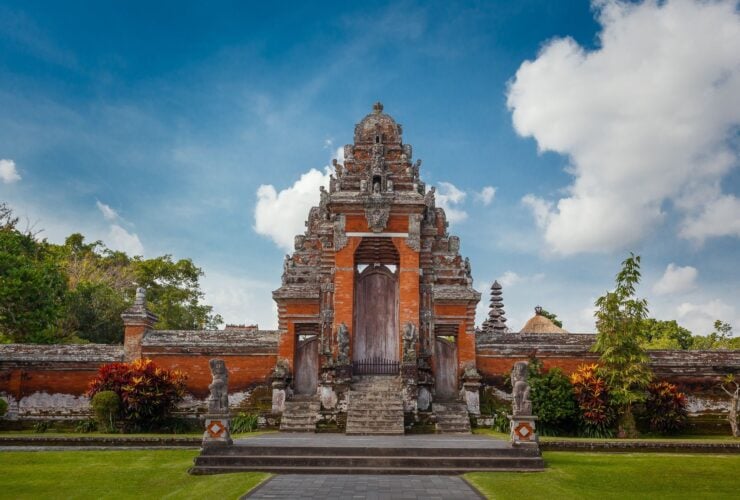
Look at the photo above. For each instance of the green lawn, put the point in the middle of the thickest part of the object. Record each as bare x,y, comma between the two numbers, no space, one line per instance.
114,474
604,476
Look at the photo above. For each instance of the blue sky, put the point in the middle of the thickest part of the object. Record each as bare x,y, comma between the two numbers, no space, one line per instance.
602,131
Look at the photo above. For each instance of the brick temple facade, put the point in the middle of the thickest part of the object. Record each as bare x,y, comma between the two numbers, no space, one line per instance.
376,303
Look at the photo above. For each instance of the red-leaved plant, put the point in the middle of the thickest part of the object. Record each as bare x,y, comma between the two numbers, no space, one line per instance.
665,407
148,393
597,416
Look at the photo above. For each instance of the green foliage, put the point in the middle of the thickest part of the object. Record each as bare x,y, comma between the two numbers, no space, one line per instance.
148,394
86,426
620,316
657,334
500,422
3,407
552,317
596,413
244,422
76,292
106,405
720,338
552,401
665,407
41,426
31,287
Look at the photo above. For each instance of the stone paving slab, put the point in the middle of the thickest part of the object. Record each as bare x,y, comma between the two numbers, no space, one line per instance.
371,487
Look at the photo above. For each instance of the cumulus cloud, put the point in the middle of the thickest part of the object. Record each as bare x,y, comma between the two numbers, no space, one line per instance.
450,198
240,299
280,215
108,213
676,279
486,195
646,118
8,172
510,279
700,318
120,239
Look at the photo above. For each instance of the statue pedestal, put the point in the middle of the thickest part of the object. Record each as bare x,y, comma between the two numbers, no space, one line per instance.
218,430
471,390
523,430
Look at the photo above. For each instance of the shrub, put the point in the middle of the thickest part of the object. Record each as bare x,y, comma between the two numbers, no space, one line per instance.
665,407
41,426
3,407
500,422
106,405
552,401
85,426
148,394
596,416
244,422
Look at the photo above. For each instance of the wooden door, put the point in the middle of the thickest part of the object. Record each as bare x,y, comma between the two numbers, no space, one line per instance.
446,369
306,379
375,334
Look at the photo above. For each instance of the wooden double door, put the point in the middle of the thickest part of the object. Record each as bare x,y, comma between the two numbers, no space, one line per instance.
376,330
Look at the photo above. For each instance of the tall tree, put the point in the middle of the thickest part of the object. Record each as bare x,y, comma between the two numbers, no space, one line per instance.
658,334
624,362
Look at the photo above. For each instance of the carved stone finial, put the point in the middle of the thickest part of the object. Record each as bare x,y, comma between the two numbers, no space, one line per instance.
538,310
378,108
140,300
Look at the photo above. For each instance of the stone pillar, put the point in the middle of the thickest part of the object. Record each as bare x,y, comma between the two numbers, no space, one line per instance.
137,319
280,385
218,418
471,388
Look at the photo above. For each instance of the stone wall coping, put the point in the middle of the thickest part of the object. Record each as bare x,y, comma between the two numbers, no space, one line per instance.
211,338
101,353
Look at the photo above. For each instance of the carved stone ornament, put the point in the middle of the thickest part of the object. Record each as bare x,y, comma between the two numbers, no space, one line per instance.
409,342
343,345
377,212
522,405
414,239
340,235
218,400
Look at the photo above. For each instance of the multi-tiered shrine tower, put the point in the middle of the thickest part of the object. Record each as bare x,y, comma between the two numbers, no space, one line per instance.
376,285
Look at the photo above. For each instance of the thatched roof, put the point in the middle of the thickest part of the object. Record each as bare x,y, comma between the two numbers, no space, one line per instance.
540,324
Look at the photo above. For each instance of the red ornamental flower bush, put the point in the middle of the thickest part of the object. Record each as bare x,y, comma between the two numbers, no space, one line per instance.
665,407
148,393
592,395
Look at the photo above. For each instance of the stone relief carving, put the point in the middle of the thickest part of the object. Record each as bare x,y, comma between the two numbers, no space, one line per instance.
409,342
343,344
340,236
218,401
522,406
414,239
377,212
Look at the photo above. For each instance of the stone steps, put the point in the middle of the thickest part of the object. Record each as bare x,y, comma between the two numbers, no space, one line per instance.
401,458
452,418
375,407
299,416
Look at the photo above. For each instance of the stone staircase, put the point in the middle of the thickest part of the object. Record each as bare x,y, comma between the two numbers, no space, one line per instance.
375,406
452,418
340,454
299,415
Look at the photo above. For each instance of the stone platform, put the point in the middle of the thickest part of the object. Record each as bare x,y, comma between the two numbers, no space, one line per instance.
309,453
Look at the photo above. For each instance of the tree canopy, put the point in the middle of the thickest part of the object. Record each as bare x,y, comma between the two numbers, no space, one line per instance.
76,292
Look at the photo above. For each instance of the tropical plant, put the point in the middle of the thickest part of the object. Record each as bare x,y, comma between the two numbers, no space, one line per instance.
731,386
665,407
85,426
624,362
720,338
106,406
244,422
552,400
552,317
148,394
658,334
596,414
3,407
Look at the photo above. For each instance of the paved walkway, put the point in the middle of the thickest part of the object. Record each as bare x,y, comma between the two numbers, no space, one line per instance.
371,487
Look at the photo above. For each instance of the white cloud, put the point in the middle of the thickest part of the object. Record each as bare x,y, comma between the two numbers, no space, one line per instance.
108,213
120,239
8,172
644,118
676,279
700,318
486,195
240,299
510,279
448,197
